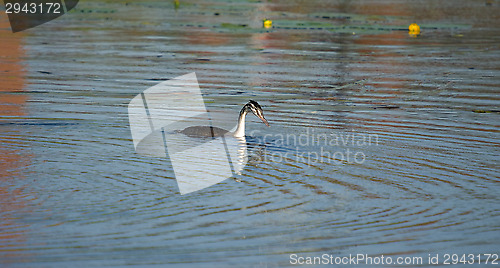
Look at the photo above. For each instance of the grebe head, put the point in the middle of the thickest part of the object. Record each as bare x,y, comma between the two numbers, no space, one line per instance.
255,108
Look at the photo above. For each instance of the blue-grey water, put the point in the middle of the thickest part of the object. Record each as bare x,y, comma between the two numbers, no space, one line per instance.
381,143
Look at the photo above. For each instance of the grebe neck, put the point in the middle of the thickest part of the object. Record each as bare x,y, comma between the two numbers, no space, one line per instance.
240,130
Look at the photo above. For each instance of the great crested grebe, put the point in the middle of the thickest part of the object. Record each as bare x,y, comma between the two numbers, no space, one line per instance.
208,131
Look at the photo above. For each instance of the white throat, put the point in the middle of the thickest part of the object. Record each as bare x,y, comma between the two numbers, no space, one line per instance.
240,129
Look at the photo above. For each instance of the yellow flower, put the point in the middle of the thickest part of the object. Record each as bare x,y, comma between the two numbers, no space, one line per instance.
267,23
414,29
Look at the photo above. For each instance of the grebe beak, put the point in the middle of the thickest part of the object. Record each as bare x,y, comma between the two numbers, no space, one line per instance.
263,119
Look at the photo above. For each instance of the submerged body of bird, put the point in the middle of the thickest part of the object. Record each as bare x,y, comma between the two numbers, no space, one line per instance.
239,129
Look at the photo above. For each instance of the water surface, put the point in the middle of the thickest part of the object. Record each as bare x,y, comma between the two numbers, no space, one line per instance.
419,117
